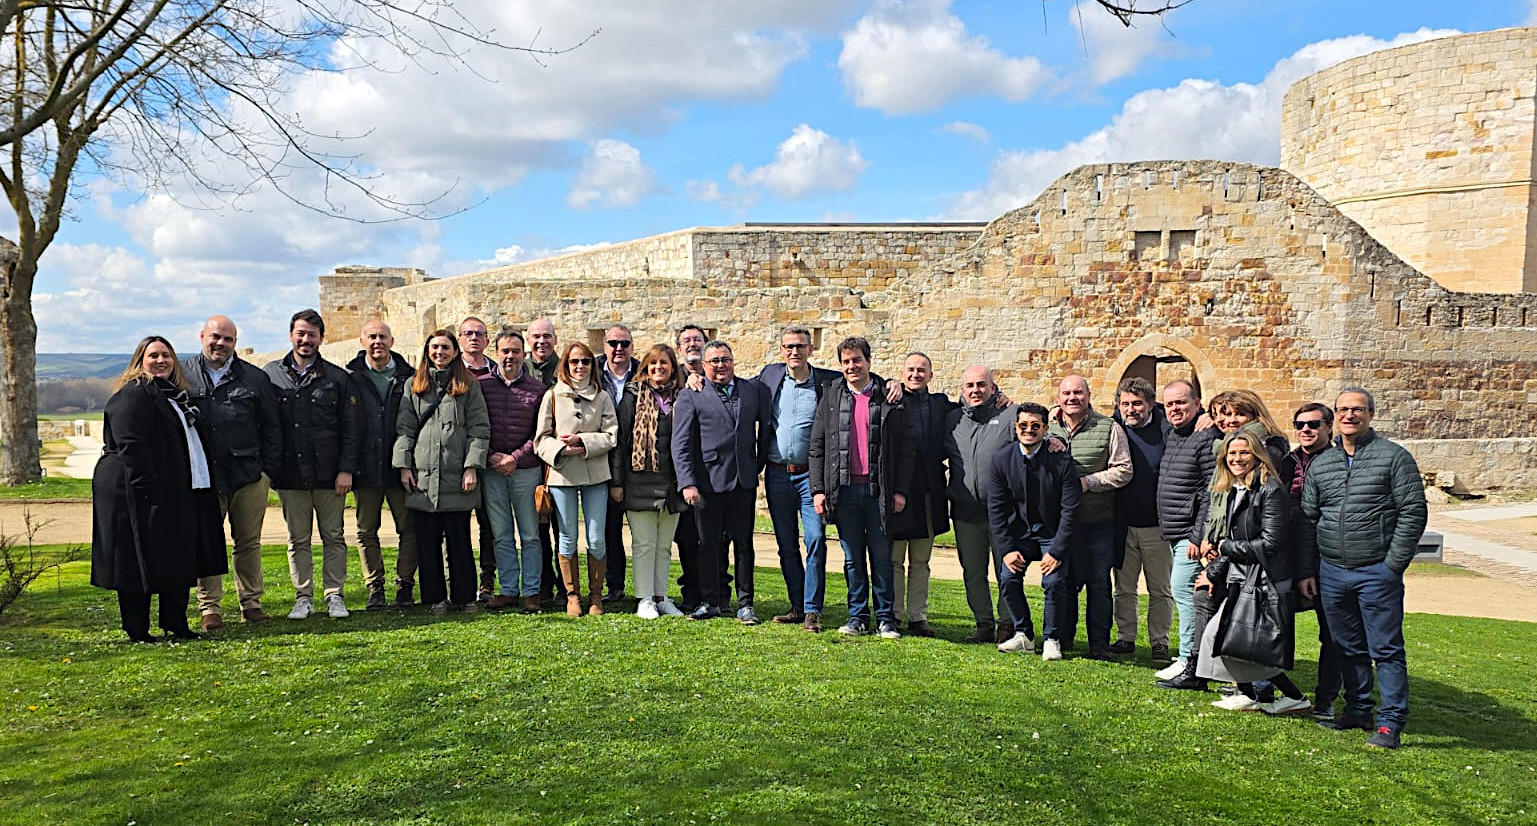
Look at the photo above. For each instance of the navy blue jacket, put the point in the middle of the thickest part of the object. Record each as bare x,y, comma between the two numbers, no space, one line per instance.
1052,478
717,449
772,379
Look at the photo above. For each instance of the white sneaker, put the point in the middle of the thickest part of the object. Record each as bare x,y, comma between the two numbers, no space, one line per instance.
303,607
646,610
1238,702
1286,705
1052,650
667,609
336,607
1017,644
1172,670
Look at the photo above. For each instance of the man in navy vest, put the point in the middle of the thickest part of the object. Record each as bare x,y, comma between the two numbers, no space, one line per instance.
1142,549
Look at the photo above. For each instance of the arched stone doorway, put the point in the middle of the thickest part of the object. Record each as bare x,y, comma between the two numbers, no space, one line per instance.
1160,359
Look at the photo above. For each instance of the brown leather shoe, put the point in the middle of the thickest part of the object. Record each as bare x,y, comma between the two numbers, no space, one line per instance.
983,633
212,622
812,623
920,628
502,601
792,618
530,605
254,615
1005,632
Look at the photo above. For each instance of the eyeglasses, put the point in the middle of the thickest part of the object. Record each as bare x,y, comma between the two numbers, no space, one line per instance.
579,362
720,360
617,343
1357,410
795,346
474,334
1311,424
1030,427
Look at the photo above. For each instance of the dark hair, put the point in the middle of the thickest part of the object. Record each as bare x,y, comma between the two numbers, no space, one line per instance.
690,326
460,378
1037,410
1321,408
135,369
854,343
309,317
563,370
506,334
1138,385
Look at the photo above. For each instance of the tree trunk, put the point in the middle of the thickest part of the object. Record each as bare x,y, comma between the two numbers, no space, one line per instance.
20,461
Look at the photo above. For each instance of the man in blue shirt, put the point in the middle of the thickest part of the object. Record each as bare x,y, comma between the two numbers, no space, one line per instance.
794,387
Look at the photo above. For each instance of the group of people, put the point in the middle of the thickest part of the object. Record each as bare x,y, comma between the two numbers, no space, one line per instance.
546,443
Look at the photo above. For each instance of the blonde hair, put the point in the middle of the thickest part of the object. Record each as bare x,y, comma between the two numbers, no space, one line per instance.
136,370
1224,480
1246,403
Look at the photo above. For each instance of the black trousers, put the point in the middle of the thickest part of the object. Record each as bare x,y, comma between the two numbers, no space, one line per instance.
487,549
134,608
613,538
433,532
722,519
550,583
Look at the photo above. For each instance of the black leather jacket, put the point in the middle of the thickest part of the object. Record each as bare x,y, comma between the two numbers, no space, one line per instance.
241,416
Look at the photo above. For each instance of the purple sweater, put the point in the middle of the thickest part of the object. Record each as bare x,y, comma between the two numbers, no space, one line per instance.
513,408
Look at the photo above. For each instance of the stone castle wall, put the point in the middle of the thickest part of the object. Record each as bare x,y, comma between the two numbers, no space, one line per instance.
353,295
1429,147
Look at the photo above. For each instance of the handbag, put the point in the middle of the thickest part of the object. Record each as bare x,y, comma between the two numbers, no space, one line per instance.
1257,625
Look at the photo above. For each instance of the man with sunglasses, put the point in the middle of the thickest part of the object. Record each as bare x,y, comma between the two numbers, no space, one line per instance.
619,365
473,339
1364,512
1033,496
1314,424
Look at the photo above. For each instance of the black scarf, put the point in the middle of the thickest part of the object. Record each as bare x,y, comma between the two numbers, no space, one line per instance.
177,396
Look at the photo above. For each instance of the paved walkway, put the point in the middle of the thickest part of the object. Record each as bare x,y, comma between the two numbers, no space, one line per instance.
1484,540
82,462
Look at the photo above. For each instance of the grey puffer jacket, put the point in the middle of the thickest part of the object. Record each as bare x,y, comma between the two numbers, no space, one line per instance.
1363,510
458,436
1184,481
972,436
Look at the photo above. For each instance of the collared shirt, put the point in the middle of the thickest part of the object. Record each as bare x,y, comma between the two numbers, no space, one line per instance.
616,384
794,410
859,436
1027,452
477,372
218,375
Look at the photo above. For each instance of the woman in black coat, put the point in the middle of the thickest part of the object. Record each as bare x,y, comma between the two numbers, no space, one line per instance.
155,516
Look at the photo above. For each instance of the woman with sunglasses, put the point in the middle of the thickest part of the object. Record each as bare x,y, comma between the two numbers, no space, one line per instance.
442,439
644,481
577,428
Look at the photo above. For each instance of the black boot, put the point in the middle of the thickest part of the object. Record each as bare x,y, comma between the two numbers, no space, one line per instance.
1187,680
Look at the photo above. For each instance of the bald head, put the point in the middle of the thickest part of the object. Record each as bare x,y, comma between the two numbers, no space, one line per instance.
541,340
977,385
376,341
1073,397
218,340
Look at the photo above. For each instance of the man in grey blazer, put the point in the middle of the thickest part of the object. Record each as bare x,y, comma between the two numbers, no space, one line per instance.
719,438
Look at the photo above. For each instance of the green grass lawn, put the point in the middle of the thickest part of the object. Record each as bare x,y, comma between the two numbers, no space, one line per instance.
51,487
503,718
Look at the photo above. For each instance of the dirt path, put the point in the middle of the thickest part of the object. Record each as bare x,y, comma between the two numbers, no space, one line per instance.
1459,588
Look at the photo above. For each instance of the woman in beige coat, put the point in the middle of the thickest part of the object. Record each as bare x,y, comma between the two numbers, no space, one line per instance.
577,428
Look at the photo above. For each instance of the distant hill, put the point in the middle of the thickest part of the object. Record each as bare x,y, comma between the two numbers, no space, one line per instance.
54,366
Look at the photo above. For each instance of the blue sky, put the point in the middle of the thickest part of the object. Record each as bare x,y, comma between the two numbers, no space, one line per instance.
684,114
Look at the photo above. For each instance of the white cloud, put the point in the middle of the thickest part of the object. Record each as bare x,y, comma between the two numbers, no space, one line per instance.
613,176
807,161
1114,49
704,191
970,131
1196,119
908,56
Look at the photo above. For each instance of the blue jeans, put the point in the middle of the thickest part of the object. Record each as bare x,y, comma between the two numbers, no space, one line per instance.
789,499
1093,554
1182,584
1011,592
509,503
1365,609
594,504
866,553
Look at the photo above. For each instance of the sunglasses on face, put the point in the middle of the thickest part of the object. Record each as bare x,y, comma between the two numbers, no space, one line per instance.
474,334
1030,427
1314,424
579,362
617,344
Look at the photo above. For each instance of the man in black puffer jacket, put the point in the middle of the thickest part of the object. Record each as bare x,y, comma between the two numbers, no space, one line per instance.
1184,495
1364,512
379,377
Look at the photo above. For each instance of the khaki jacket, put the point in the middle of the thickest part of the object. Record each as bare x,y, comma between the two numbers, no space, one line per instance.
588,411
